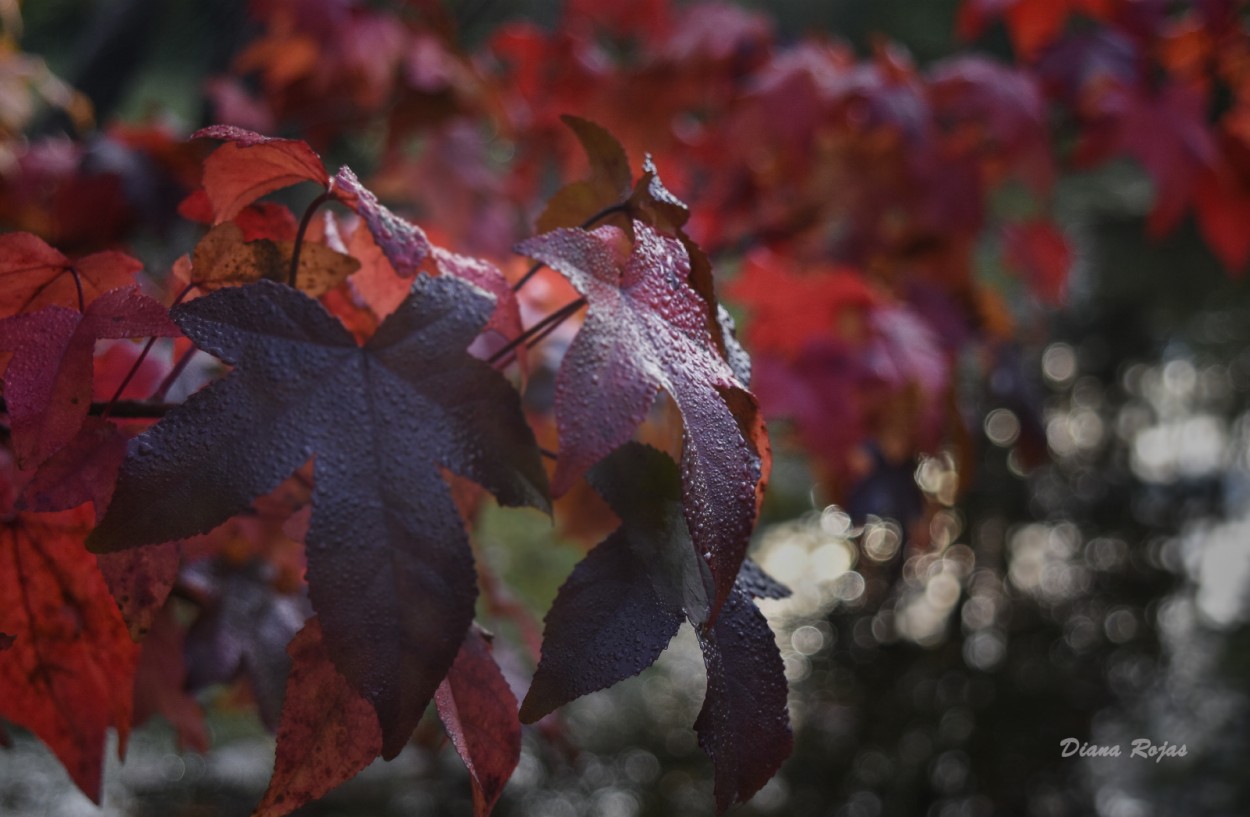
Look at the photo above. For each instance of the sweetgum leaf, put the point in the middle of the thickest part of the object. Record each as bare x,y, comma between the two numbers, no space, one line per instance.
34,275
479,713
140,580
389,568
647,330
744,725
47,386
327,734
69,673
250,165
624,602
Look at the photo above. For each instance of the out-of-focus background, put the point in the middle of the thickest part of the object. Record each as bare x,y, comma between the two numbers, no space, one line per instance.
1035,526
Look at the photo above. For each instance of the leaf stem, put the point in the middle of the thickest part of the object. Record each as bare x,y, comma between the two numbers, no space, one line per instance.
299,235
82,301
539,330
134,368
620,207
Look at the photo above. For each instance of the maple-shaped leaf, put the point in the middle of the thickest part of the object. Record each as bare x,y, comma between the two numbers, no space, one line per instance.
34,275
47,386
328,731
623,604
69,674
479,713
224,258
647,330
608,184
506,319
250,165
389,569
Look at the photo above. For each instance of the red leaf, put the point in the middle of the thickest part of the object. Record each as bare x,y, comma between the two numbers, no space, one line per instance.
647,330
34,275
70,672
389,569
140,580
1040,251
160,684
85,470
48,383
506,319
479,713
250,165
404,244
327,734
1223,210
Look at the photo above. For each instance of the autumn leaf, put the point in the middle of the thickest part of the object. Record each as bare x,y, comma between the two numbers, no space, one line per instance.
389,569
69,674
479,713
1041,252
85,470
403,243
34,275
608,184
743,726
327,734
647,330
250,165
623,604
47,386
160,683
140,580
224,258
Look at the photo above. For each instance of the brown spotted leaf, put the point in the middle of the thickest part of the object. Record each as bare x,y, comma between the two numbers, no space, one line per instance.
223,258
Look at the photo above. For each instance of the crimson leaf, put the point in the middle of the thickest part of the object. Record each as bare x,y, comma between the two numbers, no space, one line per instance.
389,568
647,330
479,713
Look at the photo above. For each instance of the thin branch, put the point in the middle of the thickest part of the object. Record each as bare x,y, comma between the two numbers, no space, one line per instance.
128,409
142,356
556,317
299,236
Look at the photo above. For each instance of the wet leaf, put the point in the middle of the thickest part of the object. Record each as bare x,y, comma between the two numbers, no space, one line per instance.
479,713
69,673
389,569
647,330
327,734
